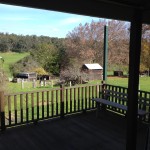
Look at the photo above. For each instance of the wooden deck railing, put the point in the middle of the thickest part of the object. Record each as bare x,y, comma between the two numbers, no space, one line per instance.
26,107
143,99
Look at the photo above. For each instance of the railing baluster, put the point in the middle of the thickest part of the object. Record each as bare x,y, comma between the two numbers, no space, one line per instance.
71,100
140,100
2,111
42,104
78,98
27,108
82,98
67,93
9,109
62,100
32,99
52,103
21,107
37,105
15,108
47,104
119,100
124,103
85,93
74,99
144,104
56,102
149,107
90,97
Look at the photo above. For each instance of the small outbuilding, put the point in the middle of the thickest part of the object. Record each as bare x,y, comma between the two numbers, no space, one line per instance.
26,76
94,71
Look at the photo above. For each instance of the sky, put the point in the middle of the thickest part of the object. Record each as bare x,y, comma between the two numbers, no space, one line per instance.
29,21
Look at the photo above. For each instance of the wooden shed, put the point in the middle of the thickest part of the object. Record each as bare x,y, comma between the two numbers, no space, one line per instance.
94,71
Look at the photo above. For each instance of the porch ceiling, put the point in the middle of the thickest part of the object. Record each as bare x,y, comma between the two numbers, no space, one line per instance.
112,9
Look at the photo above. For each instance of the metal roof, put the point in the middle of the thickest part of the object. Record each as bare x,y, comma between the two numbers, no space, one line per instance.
111,9
93,66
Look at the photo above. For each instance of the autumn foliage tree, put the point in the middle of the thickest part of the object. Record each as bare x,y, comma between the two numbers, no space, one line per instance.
85,43
145,53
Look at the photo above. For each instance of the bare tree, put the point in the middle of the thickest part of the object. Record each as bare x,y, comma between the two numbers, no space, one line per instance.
74,75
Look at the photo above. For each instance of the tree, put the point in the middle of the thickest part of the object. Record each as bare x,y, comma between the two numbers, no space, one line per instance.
145,53
27,64
85,43
3,77
47,56
74,75
40,71
118,53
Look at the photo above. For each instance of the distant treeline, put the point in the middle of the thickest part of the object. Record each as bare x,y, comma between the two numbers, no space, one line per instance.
24,43
82,45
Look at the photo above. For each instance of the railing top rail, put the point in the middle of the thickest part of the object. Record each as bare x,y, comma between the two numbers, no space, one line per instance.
53,89
116,86
80,86
144,91
30,92
115,92
127,88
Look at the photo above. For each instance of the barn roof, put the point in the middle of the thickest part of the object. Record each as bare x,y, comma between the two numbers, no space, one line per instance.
93,66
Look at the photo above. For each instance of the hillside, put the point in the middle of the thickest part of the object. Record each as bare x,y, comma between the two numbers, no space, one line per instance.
10,58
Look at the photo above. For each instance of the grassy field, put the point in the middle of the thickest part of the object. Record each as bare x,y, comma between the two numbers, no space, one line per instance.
144,83
10,58
28,86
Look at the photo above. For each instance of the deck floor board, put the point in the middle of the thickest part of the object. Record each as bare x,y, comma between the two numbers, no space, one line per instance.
76,132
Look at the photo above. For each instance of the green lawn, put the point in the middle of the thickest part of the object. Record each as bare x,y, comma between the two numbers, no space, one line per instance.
144,82
28,86
10,58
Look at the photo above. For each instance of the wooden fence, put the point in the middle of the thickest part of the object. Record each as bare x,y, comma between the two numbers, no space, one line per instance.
26,107
22,108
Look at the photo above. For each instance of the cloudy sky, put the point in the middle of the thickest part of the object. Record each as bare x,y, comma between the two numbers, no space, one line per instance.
28,21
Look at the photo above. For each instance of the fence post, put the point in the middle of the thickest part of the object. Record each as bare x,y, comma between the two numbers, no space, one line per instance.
2,111
62,91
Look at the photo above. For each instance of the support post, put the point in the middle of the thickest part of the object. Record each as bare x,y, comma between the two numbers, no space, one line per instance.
134,63
2,111
105,53
62,100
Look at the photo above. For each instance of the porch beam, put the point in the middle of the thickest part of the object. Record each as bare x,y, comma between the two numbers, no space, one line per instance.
133,82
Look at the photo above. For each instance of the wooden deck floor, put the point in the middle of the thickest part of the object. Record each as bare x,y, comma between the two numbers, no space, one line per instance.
78,132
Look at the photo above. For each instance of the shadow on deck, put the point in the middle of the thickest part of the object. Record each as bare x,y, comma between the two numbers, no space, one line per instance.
76,132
